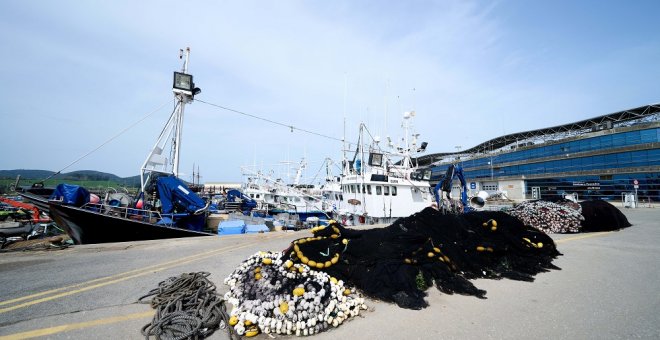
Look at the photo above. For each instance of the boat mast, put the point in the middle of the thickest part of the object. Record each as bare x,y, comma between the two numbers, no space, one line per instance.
299,171
182,99
184,90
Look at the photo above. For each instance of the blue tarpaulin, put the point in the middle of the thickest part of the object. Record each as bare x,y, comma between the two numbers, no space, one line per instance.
232,227
70,194
176,194
247,203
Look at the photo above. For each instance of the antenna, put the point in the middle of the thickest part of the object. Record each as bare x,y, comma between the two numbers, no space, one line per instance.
344,137
387,88
414,99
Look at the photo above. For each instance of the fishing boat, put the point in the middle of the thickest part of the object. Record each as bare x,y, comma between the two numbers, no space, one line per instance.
36,194
331,190
274,196
165,206
381,184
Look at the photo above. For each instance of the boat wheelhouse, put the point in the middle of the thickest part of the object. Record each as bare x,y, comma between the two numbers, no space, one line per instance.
380,185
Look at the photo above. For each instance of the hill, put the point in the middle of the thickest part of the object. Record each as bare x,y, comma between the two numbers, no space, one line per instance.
81,175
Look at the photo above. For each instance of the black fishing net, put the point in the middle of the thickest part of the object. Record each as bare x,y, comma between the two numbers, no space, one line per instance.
428,248
600,215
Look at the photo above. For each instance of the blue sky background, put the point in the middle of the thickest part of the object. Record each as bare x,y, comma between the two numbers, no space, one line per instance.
75,73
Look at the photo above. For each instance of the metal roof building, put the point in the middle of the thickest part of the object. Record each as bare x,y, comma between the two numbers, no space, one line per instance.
602,157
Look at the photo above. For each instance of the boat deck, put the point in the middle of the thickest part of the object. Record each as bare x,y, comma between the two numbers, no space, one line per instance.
607,289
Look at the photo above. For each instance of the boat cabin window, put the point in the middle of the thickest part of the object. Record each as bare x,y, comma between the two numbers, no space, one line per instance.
421,175
363,191
258,195
379,190
358,188
386,190
369,189
352,189
341,197
427,175
393,191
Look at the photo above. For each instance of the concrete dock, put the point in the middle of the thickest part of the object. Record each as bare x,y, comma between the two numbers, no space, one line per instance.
608,288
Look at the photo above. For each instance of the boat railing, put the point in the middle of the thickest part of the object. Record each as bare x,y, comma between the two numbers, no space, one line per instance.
149,216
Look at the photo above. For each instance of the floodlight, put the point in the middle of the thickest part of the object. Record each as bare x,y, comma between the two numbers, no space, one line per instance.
183,83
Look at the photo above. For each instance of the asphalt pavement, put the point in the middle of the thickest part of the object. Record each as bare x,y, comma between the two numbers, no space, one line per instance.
607,289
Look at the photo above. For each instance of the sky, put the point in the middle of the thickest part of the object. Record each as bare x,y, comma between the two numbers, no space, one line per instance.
83,76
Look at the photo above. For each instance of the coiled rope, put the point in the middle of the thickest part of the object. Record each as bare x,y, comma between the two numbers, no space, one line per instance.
187,307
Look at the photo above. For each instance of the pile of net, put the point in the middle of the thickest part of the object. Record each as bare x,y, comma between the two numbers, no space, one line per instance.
550,217
602,216
272,294
395,264
565,216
